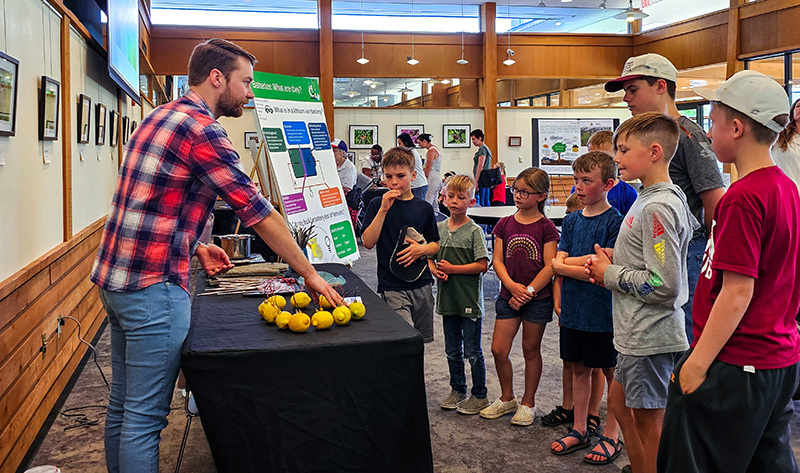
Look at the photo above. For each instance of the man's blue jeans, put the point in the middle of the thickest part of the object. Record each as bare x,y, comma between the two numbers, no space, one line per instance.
148,327
464,331
694,260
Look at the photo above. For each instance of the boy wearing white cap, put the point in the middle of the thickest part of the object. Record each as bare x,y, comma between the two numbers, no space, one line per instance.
729,397
649,84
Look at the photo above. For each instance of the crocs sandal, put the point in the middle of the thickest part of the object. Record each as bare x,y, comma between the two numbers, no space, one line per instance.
558,416
592,425
583,442
608,456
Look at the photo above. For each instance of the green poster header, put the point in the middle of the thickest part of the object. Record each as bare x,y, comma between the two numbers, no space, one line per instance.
266,85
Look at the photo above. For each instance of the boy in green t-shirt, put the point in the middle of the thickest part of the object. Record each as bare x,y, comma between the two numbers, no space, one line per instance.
460,263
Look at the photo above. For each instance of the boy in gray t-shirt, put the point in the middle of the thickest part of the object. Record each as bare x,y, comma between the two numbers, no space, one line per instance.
460,263
648,283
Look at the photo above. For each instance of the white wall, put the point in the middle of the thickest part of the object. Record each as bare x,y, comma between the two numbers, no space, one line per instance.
31,196
456,159
94,167
31,191
517,122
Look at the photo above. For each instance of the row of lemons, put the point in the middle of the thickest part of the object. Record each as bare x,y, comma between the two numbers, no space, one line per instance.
272,311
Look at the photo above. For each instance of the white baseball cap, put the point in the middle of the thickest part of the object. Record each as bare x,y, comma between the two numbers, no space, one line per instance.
752,93
653,65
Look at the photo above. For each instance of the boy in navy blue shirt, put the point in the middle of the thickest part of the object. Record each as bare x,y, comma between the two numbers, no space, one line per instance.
403,276
586,338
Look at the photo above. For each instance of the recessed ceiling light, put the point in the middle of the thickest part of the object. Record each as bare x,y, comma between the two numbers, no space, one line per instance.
558,23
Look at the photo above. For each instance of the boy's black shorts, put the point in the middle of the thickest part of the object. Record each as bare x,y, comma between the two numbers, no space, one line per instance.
593,349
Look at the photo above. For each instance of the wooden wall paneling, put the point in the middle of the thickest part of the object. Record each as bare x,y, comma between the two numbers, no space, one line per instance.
490,58
16,439
469,93
38,314
387,54
291,52
768,32
679,43
325,13
732,63
560,61
66,126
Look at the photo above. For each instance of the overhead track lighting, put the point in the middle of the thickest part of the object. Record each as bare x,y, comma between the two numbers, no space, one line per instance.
631,14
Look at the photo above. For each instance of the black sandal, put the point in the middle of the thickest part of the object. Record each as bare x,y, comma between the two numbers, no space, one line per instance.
592,425
608,457
583,442
558,416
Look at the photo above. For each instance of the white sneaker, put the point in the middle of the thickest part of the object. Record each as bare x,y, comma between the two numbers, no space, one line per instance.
524,415
453,400
499,408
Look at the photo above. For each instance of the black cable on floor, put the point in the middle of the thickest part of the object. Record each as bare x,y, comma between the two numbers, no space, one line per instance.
82,419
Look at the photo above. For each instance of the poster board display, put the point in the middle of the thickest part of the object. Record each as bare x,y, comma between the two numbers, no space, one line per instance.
559,141
291,122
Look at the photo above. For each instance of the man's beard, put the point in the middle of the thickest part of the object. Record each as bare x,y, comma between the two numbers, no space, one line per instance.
228,106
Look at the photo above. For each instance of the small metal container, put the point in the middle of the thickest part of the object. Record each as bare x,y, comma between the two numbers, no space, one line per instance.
236,246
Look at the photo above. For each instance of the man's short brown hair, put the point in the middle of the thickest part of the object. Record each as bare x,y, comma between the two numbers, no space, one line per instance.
596,160
398,157
651,127
672,87
217,54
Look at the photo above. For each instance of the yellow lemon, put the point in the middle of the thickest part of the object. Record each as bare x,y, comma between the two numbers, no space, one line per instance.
323,302
277,301
299,322
341,315
322,320
268,311
282,320
358,310
300,300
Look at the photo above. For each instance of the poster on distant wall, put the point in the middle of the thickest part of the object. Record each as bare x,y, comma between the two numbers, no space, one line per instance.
291,122
558,142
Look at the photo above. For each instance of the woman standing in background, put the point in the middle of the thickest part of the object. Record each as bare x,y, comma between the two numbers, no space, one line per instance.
419,186
433,169
786,151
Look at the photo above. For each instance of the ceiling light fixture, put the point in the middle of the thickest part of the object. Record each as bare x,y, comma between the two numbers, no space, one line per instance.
405,89
603,5
631,14
352,93
411,60
542,4
509,51
362,60
445,81
462,61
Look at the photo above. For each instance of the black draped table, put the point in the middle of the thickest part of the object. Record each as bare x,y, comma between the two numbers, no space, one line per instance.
349,398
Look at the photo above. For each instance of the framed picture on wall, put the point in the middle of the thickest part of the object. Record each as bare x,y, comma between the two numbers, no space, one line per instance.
251,139
456,136
125,129
133,126
84,118
100,124
351,155
514,141
113,128
9,74
363,136
413,130
49,98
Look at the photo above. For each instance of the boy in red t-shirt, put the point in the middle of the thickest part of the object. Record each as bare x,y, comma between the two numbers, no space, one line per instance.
729,398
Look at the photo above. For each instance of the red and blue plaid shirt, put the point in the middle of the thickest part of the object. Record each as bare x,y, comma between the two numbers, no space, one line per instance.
178,161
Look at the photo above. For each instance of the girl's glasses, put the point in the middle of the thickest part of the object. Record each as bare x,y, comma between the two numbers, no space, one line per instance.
522,193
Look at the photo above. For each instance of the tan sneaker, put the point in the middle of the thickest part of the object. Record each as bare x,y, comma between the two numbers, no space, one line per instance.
473,405
499,409
524,415
453,400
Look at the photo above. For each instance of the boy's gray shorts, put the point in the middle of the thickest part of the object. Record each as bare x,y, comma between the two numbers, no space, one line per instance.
415,306
644,379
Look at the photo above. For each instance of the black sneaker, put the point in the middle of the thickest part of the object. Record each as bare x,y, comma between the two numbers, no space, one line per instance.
558,416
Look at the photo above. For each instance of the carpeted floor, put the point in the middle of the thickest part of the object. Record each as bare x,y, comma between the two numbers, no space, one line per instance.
460,443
